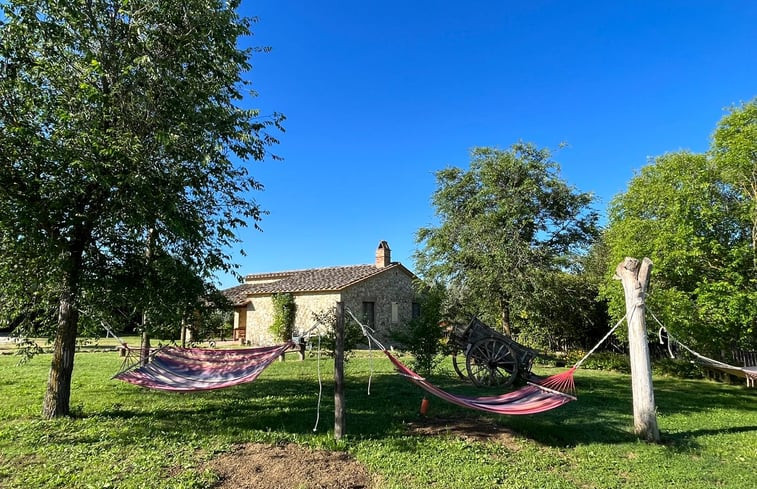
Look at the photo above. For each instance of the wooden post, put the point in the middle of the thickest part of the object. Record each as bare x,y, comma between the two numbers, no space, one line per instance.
635,278
339,373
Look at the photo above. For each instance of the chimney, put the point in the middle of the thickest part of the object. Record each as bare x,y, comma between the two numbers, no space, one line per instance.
383,255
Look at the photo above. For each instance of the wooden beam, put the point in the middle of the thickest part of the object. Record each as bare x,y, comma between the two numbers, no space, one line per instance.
635,277
339,425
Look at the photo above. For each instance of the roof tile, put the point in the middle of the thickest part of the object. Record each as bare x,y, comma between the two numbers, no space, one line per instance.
311,280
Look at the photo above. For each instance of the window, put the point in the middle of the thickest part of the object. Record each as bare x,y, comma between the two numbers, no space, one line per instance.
395,312
416,310
369,314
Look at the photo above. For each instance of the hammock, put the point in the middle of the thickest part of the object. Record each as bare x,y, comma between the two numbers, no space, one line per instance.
198,369
533,398
747,373
536,396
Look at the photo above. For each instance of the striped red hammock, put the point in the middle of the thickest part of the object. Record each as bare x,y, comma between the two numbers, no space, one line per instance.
535,397
199,369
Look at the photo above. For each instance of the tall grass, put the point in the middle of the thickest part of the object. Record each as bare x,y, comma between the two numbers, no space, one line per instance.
128,437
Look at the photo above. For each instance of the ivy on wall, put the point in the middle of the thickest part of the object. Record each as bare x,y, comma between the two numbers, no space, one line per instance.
284,309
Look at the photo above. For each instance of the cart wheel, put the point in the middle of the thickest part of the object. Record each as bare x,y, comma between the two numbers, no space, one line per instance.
457,368
491,362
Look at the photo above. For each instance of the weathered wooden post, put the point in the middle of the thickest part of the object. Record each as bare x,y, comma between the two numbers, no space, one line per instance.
635,277
339,373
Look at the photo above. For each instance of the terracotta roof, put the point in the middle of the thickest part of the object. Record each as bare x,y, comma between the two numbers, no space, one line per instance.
311,280
237,294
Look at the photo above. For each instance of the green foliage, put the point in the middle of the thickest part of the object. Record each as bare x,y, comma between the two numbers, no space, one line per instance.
734,151
674,367
209,323
679,212
575,318
123,161
284,311
423,335
506,224
615,362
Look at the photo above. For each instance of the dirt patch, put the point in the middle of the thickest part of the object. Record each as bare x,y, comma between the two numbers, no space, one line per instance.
261,466
472,429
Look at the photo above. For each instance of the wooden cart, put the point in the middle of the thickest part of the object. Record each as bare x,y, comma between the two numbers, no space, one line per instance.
491,358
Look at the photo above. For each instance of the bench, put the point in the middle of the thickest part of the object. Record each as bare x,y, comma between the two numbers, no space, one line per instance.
748,360
745,358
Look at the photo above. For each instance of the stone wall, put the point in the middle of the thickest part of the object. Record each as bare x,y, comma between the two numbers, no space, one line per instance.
260,316
392,286
259,319
308,303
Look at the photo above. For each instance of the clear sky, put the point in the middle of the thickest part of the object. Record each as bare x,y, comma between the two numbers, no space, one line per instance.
381,94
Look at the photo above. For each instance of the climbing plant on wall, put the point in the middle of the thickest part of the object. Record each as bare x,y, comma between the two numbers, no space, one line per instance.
284,309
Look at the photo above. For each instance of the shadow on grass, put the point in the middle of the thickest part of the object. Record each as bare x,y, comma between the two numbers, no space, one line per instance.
279,406
282,405
685,441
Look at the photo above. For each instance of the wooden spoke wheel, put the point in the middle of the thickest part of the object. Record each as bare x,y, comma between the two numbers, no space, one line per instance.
491,362
456,366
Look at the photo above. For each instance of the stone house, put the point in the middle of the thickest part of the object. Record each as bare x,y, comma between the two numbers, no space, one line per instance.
381,294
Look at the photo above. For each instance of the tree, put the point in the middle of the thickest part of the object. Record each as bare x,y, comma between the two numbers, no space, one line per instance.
680,213
121,130
734,151
504,226
574,318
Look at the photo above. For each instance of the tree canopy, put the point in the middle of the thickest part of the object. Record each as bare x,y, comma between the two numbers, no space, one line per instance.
734,151
693,215
122,158
505,225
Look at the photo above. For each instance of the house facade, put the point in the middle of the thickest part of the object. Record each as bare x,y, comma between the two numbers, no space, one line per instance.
381,294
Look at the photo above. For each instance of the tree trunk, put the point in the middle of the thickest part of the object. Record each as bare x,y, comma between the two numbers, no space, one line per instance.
505,308
635,279
58,395
183,334
144,352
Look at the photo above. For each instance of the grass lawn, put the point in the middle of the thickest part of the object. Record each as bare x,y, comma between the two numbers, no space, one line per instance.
127,437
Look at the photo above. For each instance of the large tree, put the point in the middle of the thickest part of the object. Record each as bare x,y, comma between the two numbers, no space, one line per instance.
121,131
681,213
505,225
734,151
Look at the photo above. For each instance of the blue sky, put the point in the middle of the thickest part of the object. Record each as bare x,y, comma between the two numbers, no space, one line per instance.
380,95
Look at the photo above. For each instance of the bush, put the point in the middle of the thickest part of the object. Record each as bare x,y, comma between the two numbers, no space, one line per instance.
423,335
620,362
675,367
617,362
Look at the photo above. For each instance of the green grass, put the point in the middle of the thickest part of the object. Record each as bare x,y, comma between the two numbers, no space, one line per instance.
127,437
